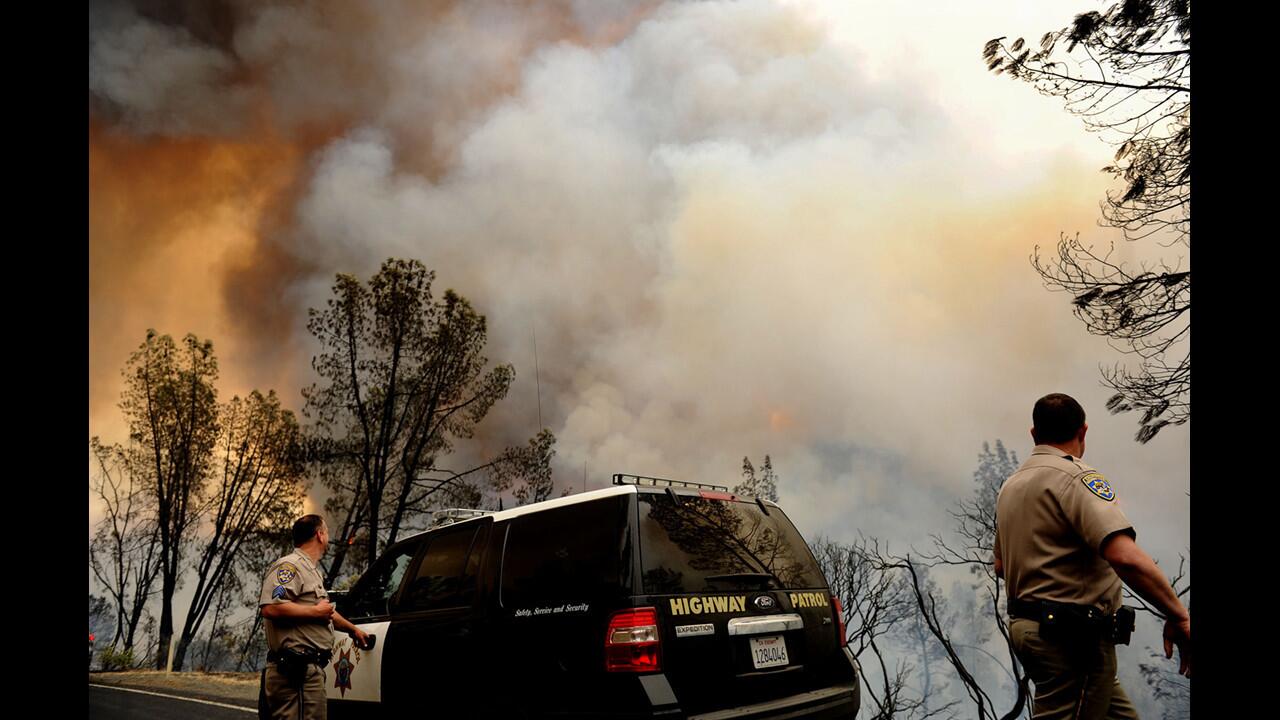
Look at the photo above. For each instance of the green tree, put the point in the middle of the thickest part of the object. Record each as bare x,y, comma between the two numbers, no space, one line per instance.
1126,73
170,404
402,376
257,487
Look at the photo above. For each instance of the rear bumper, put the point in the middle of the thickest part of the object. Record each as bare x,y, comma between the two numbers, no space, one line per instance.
834,702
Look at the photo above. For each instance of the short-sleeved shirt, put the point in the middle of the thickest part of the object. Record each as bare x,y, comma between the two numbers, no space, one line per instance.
295,578
1052,516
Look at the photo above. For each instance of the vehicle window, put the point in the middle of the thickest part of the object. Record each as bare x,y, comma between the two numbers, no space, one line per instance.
371,594
703,544
568,556
444,578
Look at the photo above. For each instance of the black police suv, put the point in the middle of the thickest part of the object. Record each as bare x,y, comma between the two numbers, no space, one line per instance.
648,599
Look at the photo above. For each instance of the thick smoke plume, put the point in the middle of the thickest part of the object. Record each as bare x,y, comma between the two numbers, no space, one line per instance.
727,237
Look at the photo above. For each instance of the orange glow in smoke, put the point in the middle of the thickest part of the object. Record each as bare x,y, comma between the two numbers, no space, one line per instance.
167,218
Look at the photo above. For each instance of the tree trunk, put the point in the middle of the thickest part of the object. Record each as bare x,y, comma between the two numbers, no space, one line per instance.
166,618
248,642
372,542
132,627
180,652
348,529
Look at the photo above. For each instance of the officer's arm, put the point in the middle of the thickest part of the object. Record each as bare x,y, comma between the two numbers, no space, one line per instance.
999,567
298,611
1141,573
348,627
1143,576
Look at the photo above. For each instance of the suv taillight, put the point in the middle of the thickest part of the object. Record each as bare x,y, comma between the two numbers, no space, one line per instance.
631,643
842,639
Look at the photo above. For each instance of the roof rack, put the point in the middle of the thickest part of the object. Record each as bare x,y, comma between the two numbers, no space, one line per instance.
449,516
623,479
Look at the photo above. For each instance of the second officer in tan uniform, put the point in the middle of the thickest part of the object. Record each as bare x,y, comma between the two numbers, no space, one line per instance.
299,621
1063,545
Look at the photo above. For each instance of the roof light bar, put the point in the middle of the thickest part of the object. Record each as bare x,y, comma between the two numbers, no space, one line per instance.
448,516
624,479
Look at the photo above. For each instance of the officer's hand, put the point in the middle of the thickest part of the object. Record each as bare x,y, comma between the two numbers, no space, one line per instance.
1179,632
324,609
361,638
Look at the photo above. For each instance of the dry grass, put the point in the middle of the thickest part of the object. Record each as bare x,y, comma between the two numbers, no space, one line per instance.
220,685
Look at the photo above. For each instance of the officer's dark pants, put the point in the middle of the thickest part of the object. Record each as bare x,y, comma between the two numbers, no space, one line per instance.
1073,679
286,702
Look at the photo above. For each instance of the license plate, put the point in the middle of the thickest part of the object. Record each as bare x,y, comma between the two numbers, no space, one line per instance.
770,651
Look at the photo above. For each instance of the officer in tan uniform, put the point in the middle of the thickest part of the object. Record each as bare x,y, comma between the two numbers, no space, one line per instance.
299,621
1063,546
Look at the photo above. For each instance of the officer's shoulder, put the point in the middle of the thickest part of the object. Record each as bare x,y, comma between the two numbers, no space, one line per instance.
290,558
1067,466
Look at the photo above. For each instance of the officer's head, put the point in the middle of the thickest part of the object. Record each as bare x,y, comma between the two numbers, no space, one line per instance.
1057,419
309,528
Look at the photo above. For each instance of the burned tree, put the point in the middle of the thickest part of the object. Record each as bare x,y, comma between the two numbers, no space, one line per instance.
976,530
878,604
1127,74
124,552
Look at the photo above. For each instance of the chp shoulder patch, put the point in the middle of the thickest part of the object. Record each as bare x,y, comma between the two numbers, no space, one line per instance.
1098,485
286,572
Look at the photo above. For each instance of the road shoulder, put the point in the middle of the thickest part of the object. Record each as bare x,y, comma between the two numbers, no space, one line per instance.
232,688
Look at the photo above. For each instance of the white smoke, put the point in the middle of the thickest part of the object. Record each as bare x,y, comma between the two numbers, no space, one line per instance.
731,242
728,236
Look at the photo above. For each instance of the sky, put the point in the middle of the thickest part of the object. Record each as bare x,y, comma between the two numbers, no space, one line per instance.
797,228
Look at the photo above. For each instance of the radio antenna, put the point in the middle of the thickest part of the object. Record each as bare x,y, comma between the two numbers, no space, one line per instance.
536,376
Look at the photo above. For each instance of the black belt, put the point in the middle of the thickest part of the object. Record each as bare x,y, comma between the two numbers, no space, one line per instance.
1035,609
1063,620
307,655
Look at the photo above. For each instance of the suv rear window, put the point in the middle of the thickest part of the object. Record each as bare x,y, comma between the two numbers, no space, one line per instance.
704,544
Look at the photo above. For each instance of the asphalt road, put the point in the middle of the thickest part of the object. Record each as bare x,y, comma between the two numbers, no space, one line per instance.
115,703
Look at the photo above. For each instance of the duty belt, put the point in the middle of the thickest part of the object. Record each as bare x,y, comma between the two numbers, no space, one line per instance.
1035,609
308,655
1062,620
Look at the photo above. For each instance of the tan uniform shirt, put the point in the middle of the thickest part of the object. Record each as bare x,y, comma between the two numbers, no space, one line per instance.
295,578
1051,518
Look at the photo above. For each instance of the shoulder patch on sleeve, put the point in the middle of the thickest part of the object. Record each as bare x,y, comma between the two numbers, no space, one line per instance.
286,572
1098,485
278,592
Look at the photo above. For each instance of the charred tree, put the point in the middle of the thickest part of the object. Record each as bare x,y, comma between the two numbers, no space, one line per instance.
1126,73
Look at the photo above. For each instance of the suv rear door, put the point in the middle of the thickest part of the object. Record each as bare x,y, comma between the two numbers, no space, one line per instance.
744,611
564,570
